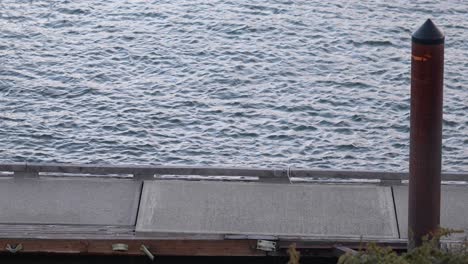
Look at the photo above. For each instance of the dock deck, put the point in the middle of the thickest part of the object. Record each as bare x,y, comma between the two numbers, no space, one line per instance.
197,211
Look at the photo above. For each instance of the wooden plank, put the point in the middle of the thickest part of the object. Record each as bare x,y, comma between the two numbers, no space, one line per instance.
69,201
66,231
266,209
384,176
146,172
172,247
157,247
161,247
20,166
342,174
399,244
454,208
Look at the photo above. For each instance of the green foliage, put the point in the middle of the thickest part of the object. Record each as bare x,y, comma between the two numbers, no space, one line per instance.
428,253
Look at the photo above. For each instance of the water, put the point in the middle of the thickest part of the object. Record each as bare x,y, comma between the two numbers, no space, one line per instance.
230,83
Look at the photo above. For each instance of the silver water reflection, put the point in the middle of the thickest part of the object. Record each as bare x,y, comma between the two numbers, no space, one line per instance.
256,83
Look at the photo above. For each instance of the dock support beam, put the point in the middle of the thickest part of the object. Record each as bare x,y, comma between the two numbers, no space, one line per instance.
427,67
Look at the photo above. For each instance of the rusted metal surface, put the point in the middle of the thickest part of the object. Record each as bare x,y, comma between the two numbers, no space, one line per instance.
427,67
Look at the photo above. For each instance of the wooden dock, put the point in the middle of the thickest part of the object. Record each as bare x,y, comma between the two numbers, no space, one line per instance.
201,211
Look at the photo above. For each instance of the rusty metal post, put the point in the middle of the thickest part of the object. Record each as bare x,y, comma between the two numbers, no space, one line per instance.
427,70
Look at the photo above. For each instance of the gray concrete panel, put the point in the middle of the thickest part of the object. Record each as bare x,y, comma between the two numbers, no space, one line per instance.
69,201
266,209
453,212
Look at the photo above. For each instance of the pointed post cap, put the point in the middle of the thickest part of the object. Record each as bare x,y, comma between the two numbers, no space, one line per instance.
428,34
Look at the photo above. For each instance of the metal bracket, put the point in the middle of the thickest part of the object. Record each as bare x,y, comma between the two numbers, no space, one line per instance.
119,247
266,245
14,249
147,252
339,250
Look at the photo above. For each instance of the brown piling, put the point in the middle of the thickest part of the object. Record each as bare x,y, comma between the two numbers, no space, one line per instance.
427,70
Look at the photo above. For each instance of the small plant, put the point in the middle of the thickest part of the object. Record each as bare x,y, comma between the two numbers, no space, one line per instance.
294,255
428,253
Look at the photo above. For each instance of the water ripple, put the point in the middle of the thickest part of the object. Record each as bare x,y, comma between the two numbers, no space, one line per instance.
230,83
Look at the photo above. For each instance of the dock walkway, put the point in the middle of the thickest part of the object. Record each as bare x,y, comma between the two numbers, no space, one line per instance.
207,211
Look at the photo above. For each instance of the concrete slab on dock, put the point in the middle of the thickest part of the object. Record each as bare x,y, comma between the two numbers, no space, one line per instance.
69,201
453,212
267,209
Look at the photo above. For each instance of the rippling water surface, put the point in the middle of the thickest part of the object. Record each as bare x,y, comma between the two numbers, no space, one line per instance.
231,83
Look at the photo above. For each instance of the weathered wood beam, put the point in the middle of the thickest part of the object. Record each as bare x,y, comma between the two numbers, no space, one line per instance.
156,247
173,247
264,174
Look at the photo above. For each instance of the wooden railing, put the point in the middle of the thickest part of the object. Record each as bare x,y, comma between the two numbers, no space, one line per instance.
281,175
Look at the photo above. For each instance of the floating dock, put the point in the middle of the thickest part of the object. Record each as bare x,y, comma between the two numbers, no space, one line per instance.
200,211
